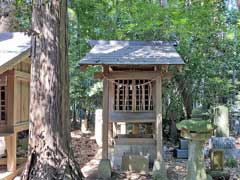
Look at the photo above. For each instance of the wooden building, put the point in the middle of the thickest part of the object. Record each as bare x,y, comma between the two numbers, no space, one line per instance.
14,94
132,74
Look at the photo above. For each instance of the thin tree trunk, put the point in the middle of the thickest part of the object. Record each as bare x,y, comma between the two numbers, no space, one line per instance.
74,122
163,3
50,156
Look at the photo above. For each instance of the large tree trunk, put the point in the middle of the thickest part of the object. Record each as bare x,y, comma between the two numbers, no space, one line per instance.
184,88
50,156
7,15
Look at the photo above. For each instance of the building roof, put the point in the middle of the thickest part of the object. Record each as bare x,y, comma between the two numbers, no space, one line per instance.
13,48
132,53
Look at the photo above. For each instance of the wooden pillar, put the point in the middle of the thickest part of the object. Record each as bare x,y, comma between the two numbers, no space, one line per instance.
114,129
11,146
159,118
105,119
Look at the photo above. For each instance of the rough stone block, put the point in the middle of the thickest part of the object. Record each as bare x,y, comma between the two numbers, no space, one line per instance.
183,144
223,142
221,121
159,170
104,169
135,163
217,159
181,153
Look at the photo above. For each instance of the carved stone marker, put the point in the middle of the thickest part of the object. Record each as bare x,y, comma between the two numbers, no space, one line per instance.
197,131
221,121
227,144
182,151
217,159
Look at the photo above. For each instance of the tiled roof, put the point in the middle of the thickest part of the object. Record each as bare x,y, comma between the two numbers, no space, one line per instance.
132,53
13,45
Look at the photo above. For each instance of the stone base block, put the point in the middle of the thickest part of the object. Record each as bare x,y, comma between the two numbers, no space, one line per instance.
135,163
159,170
181,153
104,169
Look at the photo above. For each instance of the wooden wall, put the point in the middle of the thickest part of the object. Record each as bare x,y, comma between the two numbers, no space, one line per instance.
21,92
18,97
21,101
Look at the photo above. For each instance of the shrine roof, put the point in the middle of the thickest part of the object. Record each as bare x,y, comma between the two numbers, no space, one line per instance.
13,47
132,53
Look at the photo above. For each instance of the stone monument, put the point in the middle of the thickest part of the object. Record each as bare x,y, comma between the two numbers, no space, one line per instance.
221,121
197,132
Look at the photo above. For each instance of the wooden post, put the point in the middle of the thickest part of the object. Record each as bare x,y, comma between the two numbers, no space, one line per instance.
159,118
114,129
11,146
105,119
123,128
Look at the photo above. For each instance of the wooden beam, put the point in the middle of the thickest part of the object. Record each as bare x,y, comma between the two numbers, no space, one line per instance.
167,75
132,117
180,68
3,161
83,67
11,146
11,175
105,119
22,75
98,75
21,126
158,111
114,129
128,75
164,68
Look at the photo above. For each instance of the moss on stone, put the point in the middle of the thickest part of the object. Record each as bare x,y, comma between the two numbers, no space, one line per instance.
195,125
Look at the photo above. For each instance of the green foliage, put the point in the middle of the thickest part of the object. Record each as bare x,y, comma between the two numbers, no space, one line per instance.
231,162
207,33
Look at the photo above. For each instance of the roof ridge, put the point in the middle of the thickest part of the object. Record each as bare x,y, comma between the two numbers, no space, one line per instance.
132,42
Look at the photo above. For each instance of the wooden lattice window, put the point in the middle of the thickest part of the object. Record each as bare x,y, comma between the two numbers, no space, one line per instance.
3,95
133,95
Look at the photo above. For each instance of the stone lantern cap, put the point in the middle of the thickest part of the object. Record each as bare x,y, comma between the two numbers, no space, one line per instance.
199,130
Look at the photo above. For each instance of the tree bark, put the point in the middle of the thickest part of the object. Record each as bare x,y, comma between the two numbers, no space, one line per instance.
50,155
184,88
7,15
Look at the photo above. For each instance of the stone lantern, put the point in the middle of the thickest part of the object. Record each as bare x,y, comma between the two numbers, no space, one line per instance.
198,132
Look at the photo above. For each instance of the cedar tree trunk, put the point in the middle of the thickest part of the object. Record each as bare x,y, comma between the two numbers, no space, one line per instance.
50,156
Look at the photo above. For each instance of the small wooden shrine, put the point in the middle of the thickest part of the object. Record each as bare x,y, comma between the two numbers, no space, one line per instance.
132,74
14,95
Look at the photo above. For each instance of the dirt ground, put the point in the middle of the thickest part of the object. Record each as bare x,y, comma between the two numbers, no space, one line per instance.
86,152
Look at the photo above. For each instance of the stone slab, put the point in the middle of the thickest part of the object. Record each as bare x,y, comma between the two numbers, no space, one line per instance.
135,163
